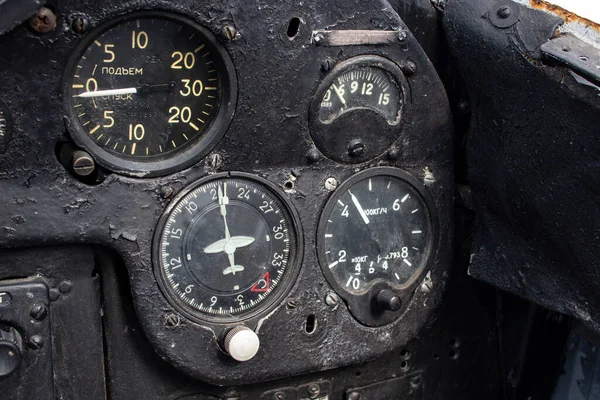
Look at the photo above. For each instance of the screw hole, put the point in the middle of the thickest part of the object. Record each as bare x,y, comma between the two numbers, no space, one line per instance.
293,28
584,58
288,185
454,342
404,365
311,324
404,353
416,381
566,49
357,373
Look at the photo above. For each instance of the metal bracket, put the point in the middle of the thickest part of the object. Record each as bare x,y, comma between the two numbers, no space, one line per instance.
358,37
576,54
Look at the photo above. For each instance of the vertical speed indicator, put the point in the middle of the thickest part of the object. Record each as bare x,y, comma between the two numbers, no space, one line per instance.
149,92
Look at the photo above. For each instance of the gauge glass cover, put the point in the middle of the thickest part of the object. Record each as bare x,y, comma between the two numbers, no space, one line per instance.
227,248
376,227
149,92
362,87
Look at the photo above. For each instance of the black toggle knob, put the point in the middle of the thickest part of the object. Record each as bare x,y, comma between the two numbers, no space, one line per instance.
388,300
10,350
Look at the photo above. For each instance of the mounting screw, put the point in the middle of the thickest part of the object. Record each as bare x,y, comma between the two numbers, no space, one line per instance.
331,184
354,396
313,391
80,25
65,287
43,21
409,68
313,155
230,33
331,299
279,396
426,286
166,192
464,106
291,303
326,65
38,312
393,153
428,178
54,294
504,12
318,39
402,36
36,342
83,164
356,148
215,161
427,283
172,320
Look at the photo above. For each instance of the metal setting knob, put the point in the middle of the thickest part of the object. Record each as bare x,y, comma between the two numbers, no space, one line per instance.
241,343
388,300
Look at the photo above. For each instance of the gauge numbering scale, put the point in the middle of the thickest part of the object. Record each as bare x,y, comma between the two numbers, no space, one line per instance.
227,248
149,93
374,240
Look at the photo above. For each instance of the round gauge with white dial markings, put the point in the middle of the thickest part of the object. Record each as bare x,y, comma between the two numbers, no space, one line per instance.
227,248
375,230
149,92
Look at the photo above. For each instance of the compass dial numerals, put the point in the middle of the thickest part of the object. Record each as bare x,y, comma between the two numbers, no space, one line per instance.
226,247
377,229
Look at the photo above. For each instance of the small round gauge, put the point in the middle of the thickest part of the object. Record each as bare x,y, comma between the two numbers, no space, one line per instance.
227,248
375,237
149,93
368,87
359,108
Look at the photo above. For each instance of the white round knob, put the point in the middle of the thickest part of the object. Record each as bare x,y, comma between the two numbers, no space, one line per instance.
241,343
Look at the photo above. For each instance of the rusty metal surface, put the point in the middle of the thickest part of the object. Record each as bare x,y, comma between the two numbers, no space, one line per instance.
565,14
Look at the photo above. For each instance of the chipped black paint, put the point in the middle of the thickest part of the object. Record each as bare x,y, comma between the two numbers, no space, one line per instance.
44,205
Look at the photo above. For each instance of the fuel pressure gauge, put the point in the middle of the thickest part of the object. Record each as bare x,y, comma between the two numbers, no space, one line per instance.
358,109
374,241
